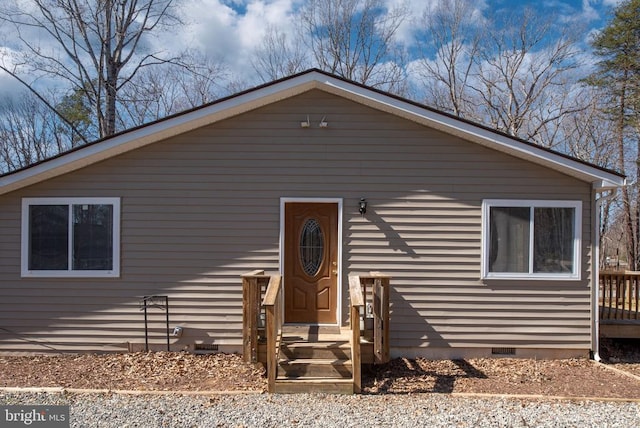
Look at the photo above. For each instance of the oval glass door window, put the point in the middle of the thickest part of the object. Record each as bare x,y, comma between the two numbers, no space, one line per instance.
311,247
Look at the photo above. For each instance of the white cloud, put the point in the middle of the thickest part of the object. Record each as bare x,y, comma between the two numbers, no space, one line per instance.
596,10
260,14
589,12
229,30
416,8
209,27
9,86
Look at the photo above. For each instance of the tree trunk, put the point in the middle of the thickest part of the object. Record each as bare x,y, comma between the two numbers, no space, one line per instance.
110,106
626,202
604,224
636,214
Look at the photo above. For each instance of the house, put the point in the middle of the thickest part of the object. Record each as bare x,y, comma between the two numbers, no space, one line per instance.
490,241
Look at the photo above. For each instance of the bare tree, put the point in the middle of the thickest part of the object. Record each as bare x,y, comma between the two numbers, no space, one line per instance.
278,57
589,134
618,75
97,46
517,74
29,132
355,39
154,93
524,76
449,45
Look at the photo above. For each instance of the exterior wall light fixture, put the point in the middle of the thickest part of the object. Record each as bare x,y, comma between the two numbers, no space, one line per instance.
362,206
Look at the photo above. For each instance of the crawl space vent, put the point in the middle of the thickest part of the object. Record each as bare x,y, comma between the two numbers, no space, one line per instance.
503,351
205,347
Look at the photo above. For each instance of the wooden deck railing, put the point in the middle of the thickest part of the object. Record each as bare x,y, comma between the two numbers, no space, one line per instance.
357,302
375,289
273,303
254,284
619,295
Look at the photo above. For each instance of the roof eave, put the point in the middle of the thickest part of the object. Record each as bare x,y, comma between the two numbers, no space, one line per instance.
473,132
286,88
157,131
606,185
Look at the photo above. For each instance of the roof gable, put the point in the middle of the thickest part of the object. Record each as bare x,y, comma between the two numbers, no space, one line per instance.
288,87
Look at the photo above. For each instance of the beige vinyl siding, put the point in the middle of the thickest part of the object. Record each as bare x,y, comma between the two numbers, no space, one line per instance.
202,208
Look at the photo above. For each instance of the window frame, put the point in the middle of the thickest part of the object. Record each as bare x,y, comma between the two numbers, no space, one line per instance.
487,204
69,272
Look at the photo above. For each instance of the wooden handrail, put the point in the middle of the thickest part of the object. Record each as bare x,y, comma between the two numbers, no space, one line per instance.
273,289
256,272
357,301
619,295
355,291
273,303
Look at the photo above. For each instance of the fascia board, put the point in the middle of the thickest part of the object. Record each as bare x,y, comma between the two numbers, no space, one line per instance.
604,185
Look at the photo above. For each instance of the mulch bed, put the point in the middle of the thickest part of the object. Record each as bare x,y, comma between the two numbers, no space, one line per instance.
178,371
565,378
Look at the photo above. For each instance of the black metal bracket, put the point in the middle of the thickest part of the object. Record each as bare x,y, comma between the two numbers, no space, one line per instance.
157,302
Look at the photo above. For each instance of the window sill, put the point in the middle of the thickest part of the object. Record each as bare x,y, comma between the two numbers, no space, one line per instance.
532,277
70,274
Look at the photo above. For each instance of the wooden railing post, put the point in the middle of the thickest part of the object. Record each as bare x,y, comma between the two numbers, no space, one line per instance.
250,315
380,317
380,301
636,295
357,301
273,303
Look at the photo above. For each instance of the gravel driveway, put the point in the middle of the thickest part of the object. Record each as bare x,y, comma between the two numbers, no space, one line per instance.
304,410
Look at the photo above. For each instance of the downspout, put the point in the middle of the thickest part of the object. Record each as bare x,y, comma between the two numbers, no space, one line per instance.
595,250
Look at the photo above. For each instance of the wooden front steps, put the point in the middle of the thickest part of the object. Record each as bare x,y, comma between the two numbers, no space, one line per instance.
314,359
306,359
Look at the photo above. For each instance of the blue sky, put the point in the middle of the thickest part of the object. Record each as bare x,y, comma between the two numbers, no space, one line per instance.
223,28
230,30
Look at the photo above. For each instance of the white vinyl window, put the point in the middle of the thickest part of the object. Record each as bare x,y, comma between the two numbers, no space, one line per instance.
70,237
531,239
